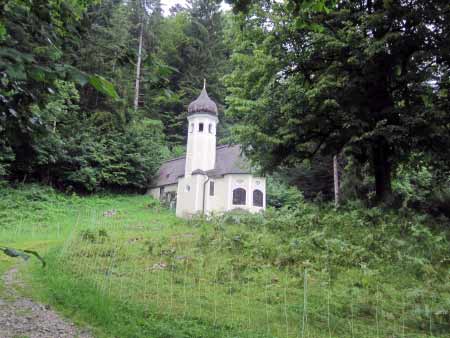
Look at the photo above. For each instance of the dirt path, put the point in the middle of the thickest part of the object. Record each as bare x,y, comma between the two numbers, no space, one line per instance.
21,317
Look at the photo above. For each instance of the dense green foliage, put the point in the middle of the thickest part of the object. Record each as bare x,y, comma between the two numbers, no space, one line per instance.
369,78
279,194
300,81
193,44
67,91
93,97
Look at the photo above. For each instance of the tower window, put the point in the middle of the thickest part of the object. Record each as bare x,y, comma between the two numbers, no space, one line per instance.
191,130
200,127
258,198
211,188
239,196
210,128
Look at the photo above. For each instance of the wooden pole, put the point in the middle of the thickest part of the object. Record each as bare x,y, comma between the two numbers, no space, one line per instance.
138,67
336,181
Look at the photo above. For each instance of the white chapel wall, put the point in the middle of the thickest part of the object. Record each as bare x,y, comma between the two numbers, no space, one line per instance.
156,192
189,196
217,203
249,183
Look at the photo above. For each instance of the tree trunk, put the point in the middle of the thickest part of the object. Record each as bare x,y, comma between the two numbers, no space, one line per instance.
382,171
138,67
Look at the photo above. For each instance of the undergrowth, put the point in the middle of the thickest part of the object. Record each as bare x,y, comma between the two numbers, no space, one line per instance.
132,269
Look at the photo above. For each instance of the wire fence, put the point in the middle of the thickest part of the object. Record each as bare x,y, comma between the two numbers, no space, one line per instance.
171,273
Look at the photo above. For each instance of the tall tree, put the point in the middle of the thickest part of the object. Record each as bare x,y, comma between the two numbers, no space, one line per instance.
55,128
191,48
33,39
363,76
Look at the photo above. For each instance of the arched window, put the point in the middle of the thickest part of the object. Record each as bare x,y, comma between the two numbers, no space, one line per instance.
192,128
239,196
200,127
210,128
258,198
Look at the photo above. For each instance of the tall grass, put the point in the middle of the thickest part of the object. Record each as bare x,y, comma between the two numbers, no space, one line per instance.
305,273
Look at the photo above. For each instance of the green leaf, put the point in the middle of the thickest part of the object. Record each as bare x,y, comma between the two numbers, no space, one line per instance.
168,92
16,72
76,75
15,55
39,73
103,86
3,32
314,27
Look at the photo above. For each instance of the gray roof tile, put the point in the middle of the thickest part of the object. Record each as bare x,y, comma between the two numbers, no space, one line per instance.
228,161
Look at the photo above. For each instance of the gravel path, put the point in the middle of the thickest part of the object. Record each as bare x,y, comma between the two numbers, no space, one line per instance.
22,317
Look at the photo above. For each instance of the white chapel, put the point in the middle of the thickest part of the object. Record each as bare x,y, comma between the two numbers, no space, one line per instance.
209,179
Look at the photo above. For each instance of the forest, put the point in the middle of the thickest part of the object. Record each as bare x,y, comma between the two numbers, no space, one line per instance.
297,83
75,113
343,105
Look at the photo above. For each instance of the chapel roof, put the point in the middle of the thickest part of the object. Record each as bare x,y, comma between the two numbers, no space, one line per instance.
203,104
228,161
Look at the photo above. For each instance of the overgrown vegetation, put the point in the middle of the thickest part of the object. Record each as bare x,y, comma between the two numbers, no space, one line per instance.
70,114
129,267
296,83
93,97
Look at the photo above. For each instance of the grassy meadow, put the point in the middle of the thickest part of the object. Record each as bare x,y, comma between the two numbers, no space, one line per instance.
129,268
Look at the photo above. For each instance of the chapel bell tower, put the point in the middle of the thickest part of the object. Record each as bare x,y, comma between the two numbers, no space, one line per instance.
201,140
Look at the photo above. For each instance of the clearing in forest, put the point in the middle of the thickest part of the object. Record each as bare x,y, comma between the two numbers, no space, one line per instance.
132,269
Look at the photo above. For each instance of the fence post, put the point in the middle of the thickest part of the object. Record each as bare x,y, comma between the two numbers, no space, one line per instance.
305,302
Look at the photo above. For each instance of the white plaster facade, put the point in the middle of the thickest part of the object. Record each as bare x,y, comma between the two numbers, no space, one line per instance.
214,179
201,143
190,200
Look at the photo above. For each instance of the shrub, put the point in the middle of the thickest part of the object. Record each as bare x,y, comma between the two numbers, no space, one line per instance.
280,194
92,236
154,204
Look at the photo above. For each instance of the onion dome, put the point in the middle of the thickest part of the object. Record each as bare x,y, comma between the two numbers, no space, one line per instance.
203,104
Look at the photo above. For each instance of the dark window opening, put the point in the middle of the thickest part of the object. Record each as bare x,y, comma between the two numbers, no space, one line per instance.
200,127
210,128
192,128
239,196
258,198
211,188
170,199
